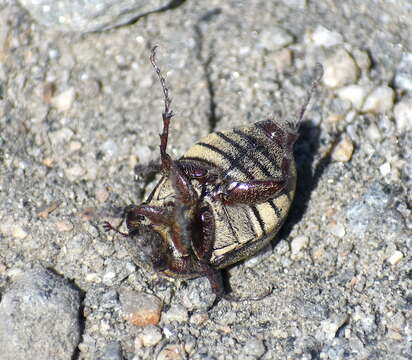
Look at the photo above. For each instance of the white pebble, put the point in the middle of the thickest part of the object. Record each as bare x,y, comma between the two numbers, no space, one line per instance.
60,136
18,232
109,147
403,115
337,229
343,150
275,38
379,100
64,101
385,169
373,132
299,243
324,37
74,172
340,69
176,313
355,94
403,77
395,258
151,336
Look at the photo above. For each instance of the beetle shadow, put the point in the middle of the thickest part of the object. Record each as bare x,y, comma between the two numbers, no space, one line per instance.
308,175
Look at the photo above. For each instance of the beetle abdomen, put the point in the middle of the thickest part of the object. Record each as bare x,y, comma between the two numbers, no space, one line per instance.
243,154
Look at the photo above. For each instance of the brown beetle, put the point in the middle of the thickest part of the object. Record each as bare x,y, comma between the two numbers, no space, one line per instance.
223,201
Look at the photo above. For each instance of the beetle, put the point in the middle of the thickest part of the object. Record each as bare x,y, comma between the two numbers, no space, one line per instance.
220,203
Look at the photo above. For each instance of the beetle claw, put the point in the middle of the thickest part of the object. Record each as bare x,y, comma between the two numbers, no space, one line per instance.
109,227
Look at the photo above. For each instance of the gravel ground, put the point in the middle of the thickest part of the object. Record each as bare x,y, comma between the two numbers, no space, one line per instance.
79,110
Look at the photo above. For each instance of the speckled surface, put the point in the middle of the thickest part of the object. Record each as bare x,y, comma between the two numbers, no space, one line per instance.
78,112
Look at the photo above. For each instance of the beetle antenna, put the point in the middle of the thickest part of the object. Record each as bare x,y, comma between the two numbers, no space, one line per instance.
315,83
167,113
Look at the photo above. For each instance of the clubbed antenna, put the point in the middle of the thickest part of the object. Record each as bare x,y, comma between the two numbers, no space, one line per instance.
317,78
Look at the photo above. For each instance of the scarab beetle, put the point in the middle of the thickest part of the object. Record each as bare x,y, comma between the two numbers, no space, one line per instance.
220,203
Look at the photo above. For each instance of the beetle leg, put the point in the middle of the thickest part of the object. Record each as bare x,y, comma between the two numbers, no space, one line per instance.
215,278
167,114
252,192
157,215
204,239
196,171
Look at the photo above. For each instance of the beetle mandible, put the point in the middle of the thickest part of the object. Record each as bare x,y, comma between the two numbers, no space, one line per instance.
221,202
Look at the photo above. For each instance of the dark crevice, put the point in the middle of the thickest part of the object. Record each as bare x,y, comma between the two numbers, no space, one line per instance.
173,4
206,62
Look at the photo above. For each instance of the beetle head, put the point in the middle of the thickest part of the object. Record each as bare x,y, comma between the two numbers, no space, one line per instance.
148,248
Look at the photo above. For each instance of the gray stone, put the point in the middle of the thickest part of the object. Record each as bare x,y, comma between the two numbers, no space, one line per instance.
39,317
403,77
91,15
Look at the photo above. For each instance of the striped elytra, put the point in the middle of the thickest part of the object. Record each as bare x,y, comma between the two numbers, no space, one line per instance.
220,203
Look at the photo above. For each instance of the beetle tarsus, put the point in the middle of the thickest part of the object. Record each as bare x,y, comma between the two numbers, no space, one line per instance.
109,227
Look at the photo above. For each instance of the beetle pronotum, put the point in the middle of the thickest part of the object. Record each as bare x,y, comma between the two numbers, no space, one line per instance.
221,202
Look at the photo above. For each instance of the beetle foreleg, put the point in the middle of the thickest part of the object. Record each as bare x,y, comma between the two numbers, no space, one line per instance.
155,214
252,192
182,185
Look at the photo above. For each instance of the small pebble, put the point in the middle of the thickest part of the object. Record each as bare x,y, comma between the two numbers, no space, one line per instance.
324,37
254,347
343,150
93,278
379,100
355,94
109,147
340,70
176,313
139,308
64,100
60,136
63,226
47,92
199,318
101,195
151,336
75,172
172,352
373,133
90,88
395,258
337,229
403,115
18,232
87,214
330,326
403,77
45,210
74,146
385,169
48,162
298,243
112,351
275,38
282,59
